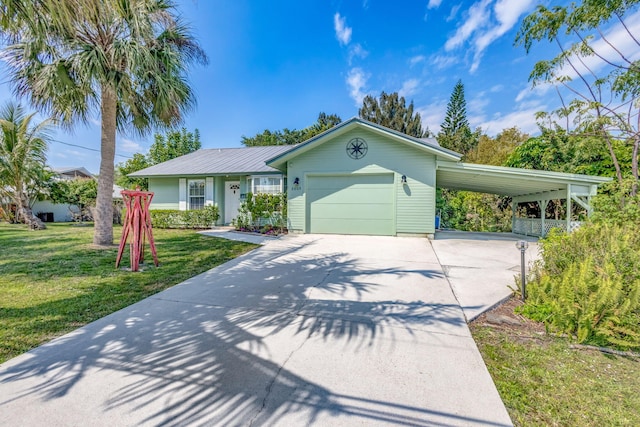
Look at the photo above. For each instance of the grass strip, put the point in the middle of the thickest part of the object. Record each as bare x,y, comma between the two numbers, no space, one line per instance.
53,281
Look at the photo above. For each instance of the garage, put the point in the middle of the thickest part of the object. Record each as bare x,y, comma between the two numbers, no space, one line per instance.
351,204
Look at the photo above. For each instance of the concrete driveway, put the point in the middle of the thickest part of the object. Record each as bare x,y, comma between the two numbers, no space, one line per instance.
481,267
305,330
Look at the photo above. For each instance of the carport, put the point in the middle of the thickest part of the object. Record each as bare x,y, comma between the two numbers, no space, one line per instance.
524,186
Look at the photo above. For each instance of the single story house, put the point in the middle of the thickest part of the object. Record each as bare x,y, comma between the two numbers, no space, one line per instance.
356,178
60,212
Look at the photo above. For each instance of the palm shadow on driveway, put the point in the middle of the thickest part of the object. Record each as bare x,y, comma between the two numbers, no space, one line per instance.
216,349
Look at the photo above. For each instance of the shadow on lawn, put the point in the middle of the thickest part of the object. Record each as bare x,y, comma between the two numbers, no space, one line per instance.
209,351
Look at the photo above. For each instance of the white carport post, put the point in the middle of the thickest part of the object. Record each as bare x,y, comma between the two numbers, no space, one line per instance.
543,213
569,196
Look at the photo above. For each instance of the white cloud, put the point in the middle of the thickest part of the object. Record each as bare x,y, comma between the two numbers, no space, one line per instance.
496,88
409,87
477,16
454,12
443,61
357,51
478,103
433,114
539,90
129,146
524,119
434,4
618,37
484,23
343,33
507,14
416,59
357,80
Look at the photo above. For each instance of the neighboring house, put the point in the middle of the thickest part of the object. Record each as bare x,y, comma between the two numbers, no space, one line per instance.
71,173
49,211
58,212
356,178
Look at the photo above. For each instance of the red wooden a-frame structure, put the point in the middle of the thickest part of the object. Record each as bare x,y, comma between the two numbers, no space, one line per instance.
138,223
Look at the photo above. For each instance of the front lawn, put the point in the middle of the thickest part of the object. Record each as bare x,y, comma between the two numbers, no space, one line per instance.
52,281
544,381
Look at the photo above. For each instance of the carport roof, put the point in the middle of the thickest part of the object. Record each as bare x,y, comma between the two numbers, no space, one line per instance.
507,181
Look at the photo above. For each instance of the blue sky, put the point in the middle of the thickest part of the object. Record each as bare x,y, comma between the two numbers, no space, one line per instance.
278,64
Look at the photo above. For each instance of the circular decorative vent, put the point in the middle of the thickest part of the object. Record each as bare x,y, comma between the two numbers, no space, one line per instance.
357,148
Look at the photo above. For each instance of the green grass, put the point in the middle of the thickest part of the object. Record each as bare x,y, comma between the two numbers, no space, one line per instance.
543,382
52,281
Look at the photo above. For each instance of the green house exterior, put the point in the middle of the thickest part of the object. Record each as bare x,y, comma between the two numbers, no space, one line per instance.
332,191
213,177
358,178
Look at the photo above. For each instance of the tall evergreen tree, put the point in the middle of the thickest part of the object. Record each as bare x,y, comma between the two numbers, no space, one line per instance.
390,110
455,133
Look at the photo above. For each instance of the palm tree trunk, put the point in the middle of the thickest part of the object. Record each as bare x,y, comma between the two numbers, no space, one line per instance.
25,214
103,232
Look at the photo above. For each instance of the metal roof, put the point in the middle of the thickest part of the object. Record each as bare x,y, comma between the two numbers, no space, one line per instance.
507,181
217,161
427,144
75,171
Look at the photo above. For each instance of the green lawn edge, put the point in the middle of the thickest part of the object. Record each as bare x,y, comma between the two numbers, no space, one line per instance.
53,281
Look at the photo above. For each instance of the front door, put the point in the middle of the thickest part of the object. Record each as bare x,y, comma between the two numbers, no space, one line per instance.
231,200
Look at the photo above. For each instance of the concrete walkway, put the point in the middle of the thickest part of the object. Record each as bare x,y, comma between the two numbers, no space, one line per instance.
305,330
481,267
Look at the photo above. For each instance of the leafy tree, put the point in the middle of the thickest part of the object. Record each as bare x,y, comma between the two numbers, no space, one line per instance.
80,192
560,151
292,136
455,133
390,110
496,151
173,144
23,145
137,162
126,59
166,147
606,96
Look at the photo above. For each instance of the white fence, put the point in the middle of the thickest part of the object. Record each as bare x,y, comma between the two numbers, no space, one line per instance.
533,226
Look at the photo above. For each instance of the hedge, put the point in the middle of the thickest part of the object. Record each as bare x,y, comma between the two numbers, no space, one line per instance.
170,218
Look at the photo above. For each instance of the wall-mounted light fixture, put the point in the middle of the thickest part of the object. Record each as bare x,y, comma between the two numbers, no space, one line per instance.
404,179
296,181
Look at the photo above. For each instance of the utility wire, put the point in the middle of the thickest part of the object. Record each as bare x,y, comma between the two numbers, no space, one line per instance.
87,148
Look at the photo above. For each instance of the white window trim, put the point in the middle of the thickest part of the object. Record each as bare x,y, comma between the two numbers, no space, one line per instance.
250,181
204,196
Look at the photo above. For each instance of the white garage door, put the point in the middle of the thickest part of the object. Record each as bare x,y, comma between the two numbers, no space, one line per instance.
351,204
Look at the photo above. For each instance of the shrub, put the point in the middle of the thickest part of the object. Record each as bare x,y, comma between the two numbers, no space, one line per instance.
588,285
200,218
615,204
263,213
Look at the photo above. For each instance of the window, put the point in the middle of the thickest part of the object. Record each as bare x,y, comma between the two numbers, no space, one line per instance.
196,194
266,184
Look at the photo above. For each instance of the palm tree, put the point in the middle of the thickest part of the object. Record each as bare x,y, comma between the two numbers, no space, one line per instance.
125,60
22,159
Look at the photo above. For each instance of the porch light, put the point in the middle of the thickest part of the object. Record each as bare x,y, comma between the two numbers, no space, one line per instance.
296,181
404,179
